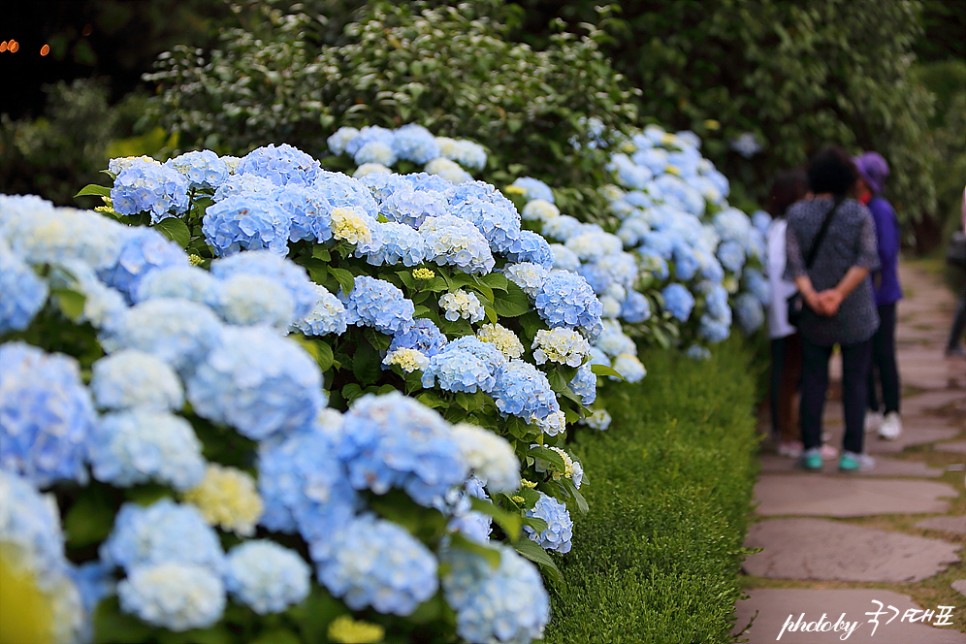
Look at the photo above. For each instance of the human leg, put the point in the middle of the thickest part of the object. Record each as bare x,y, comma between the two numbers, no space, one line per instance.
855,369
788,394
884,356
954,344
815,359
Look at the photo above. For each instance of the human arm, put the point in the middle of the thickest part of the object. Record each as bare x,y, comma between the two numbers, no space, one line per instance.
831,299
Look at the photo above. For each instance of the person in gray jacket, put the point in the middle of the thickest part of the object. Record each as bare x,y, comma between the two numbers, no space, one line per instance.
839,304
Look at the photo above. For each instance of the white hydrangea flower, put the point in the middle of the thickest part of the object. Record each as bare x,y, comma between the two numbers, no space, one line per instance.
409,360
462,304
560,345
503,338
490,456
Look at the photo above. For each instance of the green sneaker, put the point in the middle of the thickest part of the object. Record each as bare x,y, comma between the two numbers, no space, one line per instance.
812,460
852,462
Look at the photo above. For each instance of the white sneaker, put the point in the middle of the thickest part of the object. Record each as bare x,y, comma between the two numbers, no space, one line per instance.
891,426
873,421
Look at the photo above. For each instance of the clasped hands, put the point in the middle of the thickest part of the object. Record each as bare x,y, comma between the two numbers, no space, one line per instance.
825,302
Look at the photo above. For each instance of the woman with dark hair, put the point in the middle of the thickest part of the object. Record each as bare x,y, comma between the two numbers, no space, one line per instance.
831,248
786,347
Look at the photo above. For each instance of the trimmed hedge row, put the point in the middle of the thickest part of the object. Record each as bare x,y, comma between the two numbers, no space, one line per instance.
660,550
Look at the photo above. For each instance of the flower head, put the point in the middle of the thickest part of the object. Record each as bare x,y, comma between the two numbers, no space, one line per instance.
227,498
266,577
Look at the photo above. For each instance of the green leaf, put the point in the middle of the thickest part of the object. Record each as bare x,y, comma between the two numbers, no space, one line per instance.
276,636
90,519
344,277
350,392
318,349
549,456
509,522
366,364
94,190
111,626
321,253
175,230
539,556
491,555
514,304
604,370
70,302
496,281
314,615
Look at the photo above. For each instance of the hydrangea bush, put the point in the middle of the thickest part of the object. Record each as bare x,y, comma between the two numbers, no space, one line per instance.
173,471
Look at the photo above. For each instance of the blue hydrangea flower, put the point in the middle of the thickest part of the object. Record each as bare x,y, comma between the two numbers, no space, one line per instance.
342,191
756,284
283,271
713,329
183,282
282,165
140,445
161,533
559,531
455,242
245,184
449,170
377,303
678,301
635,308
716,302
393,243
584,384
142,251
406,205
179,332
249,300
148,186
698,352
461,304
630,367
613,341
566,299
592,244
458,370
46,415
366,135
246,222
749,312
103,306
33,544
309,212
131,378
415,143
654,264
504,604
339,139
731,255
530,247
40,234
468,154
24,293
303,485
422,335
257,382
523,390
328,316
493,214
203,169
528,276
533,189
94,581
173,595
375,152
266,577
564,258
377,563
561,228
392,441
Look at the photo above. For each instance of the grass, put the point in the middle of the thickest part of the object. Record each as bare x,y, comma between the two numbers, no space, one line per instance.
657,557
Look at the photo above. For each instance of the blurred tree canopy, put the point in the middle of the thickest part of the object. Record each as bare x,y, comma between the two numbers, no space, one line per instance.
789,76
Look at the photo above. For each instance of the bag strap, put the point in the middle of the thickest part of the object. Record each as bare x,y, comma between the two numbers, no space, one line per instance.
813,251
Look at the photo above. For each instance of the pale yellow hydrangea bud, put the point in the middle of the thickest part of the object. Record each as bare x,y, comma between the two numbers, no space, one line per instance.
227,498
346,630
628,147
409,360
349,226
195,260
423,274
502,338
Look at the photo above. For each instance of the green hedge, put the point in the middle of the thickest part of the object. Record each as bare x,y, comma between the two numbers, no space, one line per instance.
657,557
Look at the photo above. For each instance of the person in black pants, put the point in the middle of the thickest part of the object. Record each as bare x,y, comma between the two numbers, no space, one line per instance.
831,249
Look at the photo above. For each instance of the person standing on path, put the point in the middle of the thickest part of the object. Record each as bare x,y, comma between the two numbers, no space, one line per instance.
873,171
786,346
954,346
840,309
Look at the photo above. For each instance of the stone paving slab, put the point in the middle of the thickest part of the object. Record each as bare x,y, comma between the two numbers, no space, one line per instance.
777,606
847,495
915,432
774,464
955,524
824,550
958,447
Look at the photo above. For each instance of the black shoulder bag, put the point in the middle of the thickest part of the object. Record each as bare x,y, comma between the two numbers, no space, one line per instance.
795,302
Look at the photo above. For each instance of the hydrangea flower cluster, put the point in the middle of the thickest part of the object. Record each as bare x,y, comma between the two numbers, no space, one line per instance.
559,531
411,142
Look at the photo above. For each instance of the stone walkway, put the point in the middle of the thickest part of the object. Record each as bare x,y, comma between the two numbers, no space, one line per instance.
836,549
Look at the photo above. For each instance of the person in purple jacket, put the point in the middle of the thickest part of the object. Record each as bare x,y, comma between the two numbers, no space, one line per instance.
884,371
